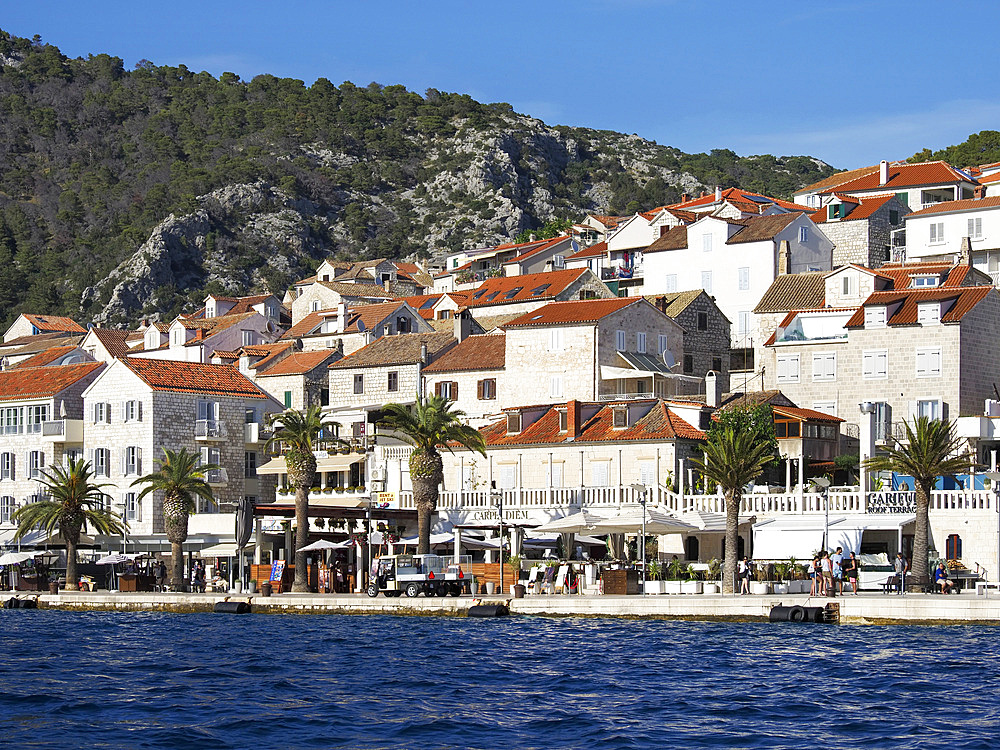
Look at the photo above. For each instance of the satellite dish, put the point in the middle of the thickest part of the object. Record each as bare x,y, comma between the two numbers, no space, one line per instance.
361,325
668,359
575,245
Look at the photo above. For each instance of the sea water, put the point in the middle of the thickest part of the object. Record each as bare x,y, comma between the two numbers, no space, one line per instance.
145,680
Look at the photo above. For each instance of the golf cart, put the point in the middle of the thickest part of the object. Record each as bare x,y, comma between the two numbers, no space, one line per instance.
432,575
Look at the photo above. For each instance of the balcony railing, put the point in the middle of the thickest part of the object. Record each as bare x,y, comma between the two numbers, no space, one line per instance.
254,432
209,429
883,431
217,476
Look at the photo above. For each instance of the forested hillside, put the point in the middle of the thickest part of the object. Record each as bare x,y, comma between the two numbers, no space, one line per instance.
265,177
978,148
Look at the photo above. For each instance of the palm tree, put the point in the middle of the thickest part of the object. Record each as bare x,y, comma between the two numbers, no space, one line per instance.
733,459
181,479
931,450
298,435
74,501
429,426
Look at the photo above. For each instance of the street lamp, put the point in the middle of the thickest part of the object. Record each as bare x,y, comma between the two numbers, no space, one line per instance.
995,486
641,489
496,499
824,485
377,486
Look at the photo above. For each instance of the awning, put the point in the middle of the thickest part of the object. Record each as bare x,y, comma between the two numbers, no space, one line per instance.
641,366
222,550
782,538
330,463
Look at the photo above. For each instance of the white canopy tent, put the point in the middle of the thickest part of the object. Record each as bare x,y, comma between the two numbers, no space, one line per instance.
782,538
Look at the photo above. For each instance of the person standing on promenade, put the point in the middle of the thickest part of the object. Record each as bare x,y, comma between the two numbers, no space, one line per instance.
853,572
826,566
161,576
837,561
744,574
900,566
812,571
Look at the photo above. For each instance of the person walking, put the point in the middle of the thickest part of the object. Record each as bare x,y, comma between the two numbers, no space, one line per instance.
900,565
161,576
826,566
812,570
744,575
837,561
853,572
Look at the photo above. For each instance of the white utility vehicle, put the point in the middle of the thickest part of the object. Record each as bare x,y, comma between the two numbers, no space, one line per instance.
413,575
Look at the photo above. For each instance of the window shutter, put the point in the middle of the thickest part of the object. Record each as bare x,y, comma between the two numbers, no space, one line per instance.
437,389
138,461
454,390
125,462
13,470
138,411
125,414
479,390
90,458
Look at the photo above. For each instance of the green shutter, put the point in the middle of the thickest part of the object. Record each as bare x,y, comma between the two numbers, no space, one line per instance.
831,212
904,198
288,399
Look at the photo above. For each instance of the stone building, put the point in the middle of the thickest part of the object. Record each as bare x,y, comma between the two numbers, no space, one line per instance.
861,229
521,294
300,380
349,328
706,332
472,374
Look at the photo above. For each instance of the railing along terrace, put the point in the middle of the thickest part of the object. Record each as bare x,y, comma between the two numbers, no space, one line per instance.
54,428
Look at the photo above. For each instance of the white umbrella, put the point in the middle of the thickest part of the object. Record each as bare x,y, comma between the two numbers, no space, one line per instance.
14,558
112,559
436,539
574,523
321,544
629,520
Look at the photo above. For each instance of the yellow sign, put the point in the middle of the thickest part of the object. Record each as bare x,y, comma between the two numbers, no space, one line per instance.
385,500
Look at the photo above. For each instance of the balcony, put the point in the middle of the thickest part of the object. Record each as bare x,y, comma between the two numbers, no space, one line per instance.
217,477
256,433
63,430
209,429
621,272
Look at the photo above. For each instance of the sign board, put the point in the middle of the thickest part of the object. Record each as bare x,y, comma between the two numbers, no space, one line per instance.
277,570
385,501
892,502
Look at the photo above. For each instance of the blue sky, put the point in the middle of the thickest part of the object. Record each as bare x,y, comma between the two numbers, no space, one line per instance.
848,82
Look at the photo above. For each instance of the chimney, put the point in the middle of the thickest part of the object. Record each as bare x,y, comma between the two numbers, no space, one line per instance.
386,284
463,325
661,304
783,257
573,419
883,172
341,316
965,253
685,197
713,389
718,193
423,354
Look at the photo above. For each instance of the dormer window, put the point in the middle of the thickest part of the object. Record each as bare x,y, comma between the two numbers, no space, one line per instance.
513,422
177,337
210,310
836,211
563,420
926,281
929,313
875,316
619,417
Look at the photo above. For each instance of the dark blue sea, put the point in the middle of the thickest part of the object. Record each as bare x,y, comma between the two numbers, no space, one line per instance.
100,680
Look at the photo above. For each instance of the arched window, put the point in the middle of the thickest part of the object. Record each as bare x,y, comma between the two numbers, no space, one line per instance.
953,547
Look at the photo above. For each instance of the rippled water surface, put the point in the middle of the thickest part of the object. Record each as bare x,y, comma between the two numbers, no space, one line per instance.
216,681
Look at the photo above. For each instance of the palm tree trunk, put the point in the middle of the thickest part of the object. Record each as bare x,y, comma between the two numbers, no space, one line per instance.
301,582
426,475
72,578
921,535
732,541
177,580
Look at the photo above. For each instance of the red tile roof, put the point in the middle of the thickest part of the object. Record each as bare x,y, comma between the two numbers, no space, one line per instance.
601,248
835,180
900,273
794,291
268,353
483,352
397,350
966,298
675,238
212,326
745,196
423,304
903,176
38,342
245,304
578,311
761,228
369,316
308,324
989,179
53,323
22,383
660,423
193,377
970,204
546,245
865,207
115,341
608,221
804,414
46,357
299,363
496,291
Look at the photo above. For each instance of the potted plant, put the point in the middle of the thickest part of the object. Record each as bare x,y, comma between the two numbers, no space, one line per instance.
781,586
760,584
674,572
692,585
339,489
517,589
653,584
711,586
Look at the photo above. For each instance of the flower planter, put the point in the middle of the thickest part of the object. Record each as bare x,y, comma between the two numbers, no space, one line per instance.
710,588
760,588
691,587
782,588
653,587
672,587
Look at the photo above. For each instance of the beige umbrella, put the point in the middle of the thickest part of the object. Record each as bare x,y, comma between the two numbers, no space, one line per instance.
629,521
575,523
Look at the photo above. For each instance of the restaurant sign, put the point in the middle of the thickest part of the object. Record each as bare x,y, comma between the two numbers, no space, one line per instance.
891,502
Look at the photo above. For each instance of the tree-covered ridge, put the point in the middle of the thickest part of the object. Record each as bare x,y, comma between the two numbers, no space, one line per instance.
93,157
979,148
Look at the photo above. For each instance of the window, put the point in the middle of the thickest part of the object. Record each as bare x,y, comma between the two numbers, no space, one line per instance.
893,217
703,321
620,340
825,366
661,343
513,292
835,211
875,317
6,465
599,474
847,285
132,461
487,389
952,546
35,416
101,461
706,281
448,389
788,368
930,408
250,464
619,416
132,411
513,422
647,472
903,198
926,281
556,342
975,228
743,322
249,338
640,342
538,291
882,417
71,455
670,283
743,275
875,364
177,337
359,383
314,306
929,362
563,419
102,412
937,232
36,462
929,313
132,507
555,386
688,364
717,364
288,400
392,382
12,420
554,473
558,261
7,506
803,234
706,243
